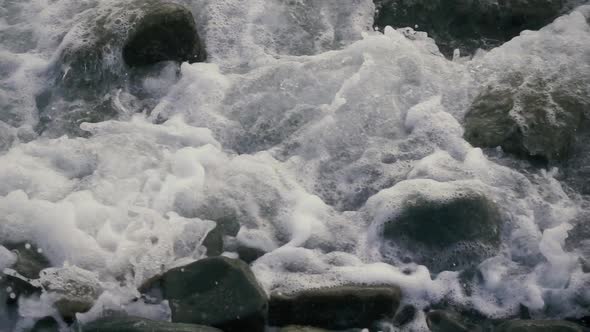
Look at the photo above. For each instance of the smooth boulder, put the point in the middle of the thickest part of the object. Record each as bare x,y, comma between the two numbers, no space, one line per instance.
341,307
446,233
217,291
136,324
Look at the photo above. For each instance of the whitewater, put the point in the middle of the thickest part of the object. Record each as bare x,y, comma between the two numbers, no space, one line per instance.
306,126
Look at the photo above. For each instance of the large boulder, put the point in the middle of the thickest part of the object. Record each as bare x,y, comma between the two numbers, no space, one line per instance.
335,308
97,71
529,118
466,24
448,228
217,291
130,33
136,324
539,326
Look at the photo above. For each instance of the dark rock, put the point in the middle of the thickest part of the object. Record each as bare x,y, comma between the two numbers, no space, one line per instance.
218,291
249,254
30,262
214,242
166,32
447,234
445,321
404,316
335,308
135,324
295,328
539,326
47,324
466,24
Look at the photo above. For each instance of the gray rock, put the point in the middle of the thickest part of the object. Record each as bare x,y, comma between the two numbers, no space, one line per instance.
135,324
469,25
74,290
533,120
108,51
539,326
335,308
217,291
447,235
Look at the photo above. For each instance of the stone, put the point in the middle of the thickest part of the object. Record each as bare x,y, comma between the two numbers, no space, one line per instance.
47,324
214,242
405,316
19,277
296,328
341,307
445,321
469,25
166,32
539,326
216,291
104,57
533,120
73,290
446,234
136,324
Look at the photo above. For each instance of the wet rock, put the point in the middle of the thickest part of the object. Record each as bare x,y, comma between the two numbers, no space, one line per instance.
530,119
335,308
539,326
469,25
73,290
47,324
446,234
295,328
132,33
166,31
18,278
136,324
404,316
105,53
214,242
217,291
446,321
249,254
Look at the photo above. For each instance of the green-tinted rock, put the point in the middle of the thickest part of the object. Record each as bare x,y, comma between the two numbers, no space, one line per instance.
134,324
335,308
446,234
539,326
218,291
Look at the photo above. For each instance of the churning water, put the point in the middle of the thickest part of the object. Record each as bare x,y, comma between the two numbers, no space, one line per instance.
306,126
